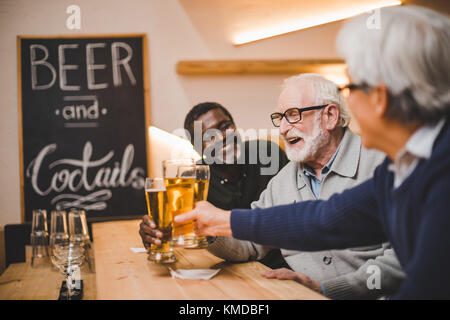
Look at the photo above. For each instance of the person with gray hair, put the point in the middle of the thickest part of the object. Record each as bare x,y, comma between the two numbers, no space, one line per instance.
325,158
399,92
409,55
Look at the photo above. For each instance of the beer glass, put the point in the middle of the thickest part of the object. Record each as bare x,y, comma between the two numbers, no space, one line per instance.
158,211
179,179
200,194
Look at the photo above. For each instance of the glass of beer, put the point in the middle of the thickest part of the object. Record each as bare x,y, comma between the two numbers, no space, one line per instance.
200,194
179,179
158,210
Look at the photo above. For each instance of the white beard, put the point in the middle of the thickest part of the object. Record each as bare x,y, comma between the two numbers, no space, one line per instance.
312,144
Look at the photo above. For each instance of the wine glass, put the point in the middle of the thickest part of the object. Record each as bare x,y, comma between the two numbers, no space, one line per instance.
68,257
78,233
39,238
58,228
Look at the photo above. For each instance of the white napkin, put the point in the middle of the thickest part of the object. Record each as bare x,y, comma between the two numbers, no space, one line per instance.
138,250
204,274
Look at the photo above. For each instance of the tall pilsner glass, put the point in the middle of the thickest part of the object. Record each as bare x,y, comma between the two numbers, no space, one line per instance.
179,179
201,194
157,205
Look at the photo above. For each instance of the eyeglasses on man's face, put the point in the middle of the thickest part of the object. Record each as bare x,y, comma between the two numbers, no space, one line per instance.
345,90
292,115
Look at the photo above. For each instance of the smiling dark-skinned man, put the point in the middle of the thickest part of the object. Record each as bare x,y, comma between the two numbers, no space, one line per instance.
232,185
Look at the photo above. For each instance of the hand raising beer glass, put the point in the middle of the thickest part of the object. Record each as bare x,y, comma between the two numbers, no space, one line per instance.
159,212
179,179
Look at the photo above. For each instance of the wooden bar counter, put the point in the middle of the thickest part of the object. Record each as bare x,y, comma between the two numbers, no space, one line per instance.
122,274
20,281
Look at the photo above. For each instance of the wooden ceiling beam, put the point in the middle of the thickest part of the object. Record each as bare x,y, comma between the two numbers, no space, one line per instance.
235,67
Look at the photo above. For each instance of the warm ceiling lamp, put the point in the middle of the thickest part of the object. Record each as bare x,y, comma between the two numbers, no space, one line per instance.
165,146
254,35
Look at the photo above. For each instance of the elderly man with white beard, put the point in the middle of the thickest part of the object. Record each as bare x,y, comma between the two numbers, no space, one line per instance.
325,158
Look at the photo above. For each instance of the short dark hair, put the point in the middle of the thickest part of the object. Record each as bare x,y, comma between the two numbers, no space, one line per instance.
199,110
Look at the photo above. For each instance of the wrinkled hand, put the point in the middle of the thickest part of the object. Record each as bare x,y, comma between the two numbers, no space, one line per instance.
286,274
208,220
149,234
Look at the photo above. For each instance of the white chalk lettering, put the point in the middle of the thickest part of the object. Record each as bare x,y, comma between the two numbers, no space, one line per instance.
91,67
117,62
39,55
119,175
42,62
63,67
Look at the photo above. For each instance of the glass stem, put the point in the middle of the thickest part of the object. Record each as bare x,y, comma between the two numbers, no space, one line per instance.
69,282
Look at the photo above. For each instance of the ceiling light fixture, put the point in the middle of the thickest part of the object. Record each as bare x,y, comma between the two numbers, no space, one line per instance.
254,35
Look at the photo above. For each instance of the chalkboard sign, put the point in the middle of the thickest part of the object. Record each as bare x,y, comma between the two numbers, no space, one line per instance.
83,113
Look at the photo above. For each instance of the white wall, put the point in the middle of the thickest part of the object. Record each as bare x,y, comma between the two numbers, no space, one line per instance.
175,32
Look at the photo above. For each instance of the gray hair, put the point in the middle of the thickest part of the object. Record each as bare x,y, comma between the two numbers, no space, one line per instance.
325,92
409,53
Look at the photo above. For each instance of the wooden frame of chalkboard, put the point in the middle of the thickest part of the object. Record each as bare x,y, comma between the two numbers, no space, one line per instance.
112,69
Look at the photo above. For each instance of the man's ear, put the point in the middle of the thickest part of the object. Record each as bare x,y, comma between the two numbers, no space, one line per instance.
331,116
379,99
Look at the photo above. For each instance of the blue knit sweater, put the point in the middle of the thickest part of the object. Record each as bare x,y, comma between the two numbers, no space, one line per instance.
415,218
